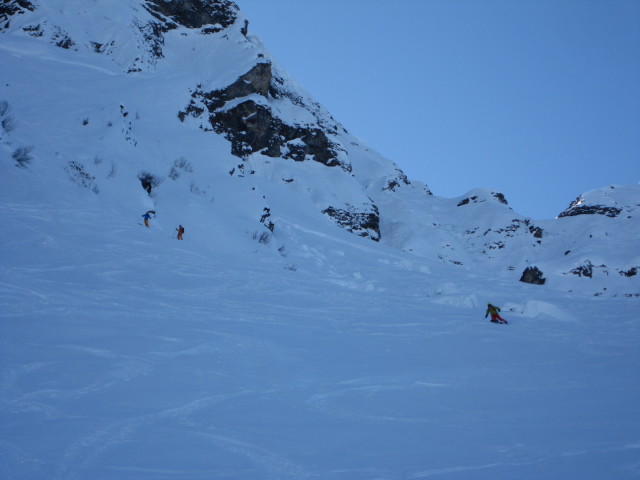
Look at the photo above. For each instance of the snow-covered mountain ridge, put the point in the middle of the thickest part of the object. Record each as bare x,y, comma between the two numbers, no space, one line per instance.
112,93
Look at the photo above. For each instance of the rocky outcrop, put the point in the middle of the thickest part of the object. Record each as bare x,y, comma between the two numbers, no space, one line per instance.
241,112
632,272
516,227
397,181
591,210
467,201
245,114
479,199
517,224
362,224
579,207
215,15
211,16
500,197
255,81
533,275
148,181
9,8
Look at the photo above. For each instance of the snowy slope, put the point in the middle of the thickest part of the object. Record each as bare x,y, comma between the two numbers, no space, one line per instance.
324,316
125,89
127,354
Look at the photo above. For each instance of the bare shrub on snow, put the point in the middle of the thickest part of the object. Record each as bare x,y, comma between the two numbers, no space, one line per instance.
180,164
264,237
6,119
22,156
112,171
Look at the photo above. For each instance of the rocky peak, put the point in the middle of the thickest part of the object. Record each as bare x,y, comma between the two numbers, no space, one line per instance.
579,207
216,14
609,202
243,112
255,81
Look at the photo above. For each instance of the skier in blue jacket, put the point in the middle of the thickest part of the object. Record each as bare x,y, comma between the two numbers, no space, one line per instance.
147,216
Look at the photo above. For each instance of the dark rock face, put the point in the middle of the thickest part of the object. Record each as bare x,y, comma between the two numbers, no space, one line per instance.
476,199
242,113
251,126
8,8
466,201
536,231
632,272
533,275
576,208
217,14
500,197
210,16
363,224
257,80
397,181
514,227
62,40
591,210
153,36
148,181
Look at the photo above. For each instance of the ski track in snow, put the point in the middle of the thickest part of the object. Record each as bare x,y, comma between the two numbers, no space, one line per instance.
338,359
262,329
84,452
125,354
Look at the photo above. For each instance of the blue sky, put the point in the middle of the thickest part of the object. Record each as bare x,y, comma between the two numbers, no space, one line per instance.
539,100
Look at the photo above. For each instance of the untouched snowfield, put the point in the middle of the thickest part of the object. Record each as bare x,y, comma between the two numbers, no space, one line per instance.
126,354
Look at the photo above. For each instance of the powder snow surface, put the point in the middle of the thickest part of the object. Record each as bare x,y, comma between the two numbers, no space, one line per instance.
306,353
125,353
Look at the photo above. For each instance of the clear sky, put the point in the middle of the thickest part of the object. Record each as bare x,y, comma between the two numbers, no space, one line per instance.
537,99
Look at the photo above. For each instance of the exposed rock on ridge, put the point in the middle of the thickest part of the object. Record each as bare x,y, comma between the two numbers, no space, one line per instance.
363,224
576,209
477,199
217,14
242,113
598,202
